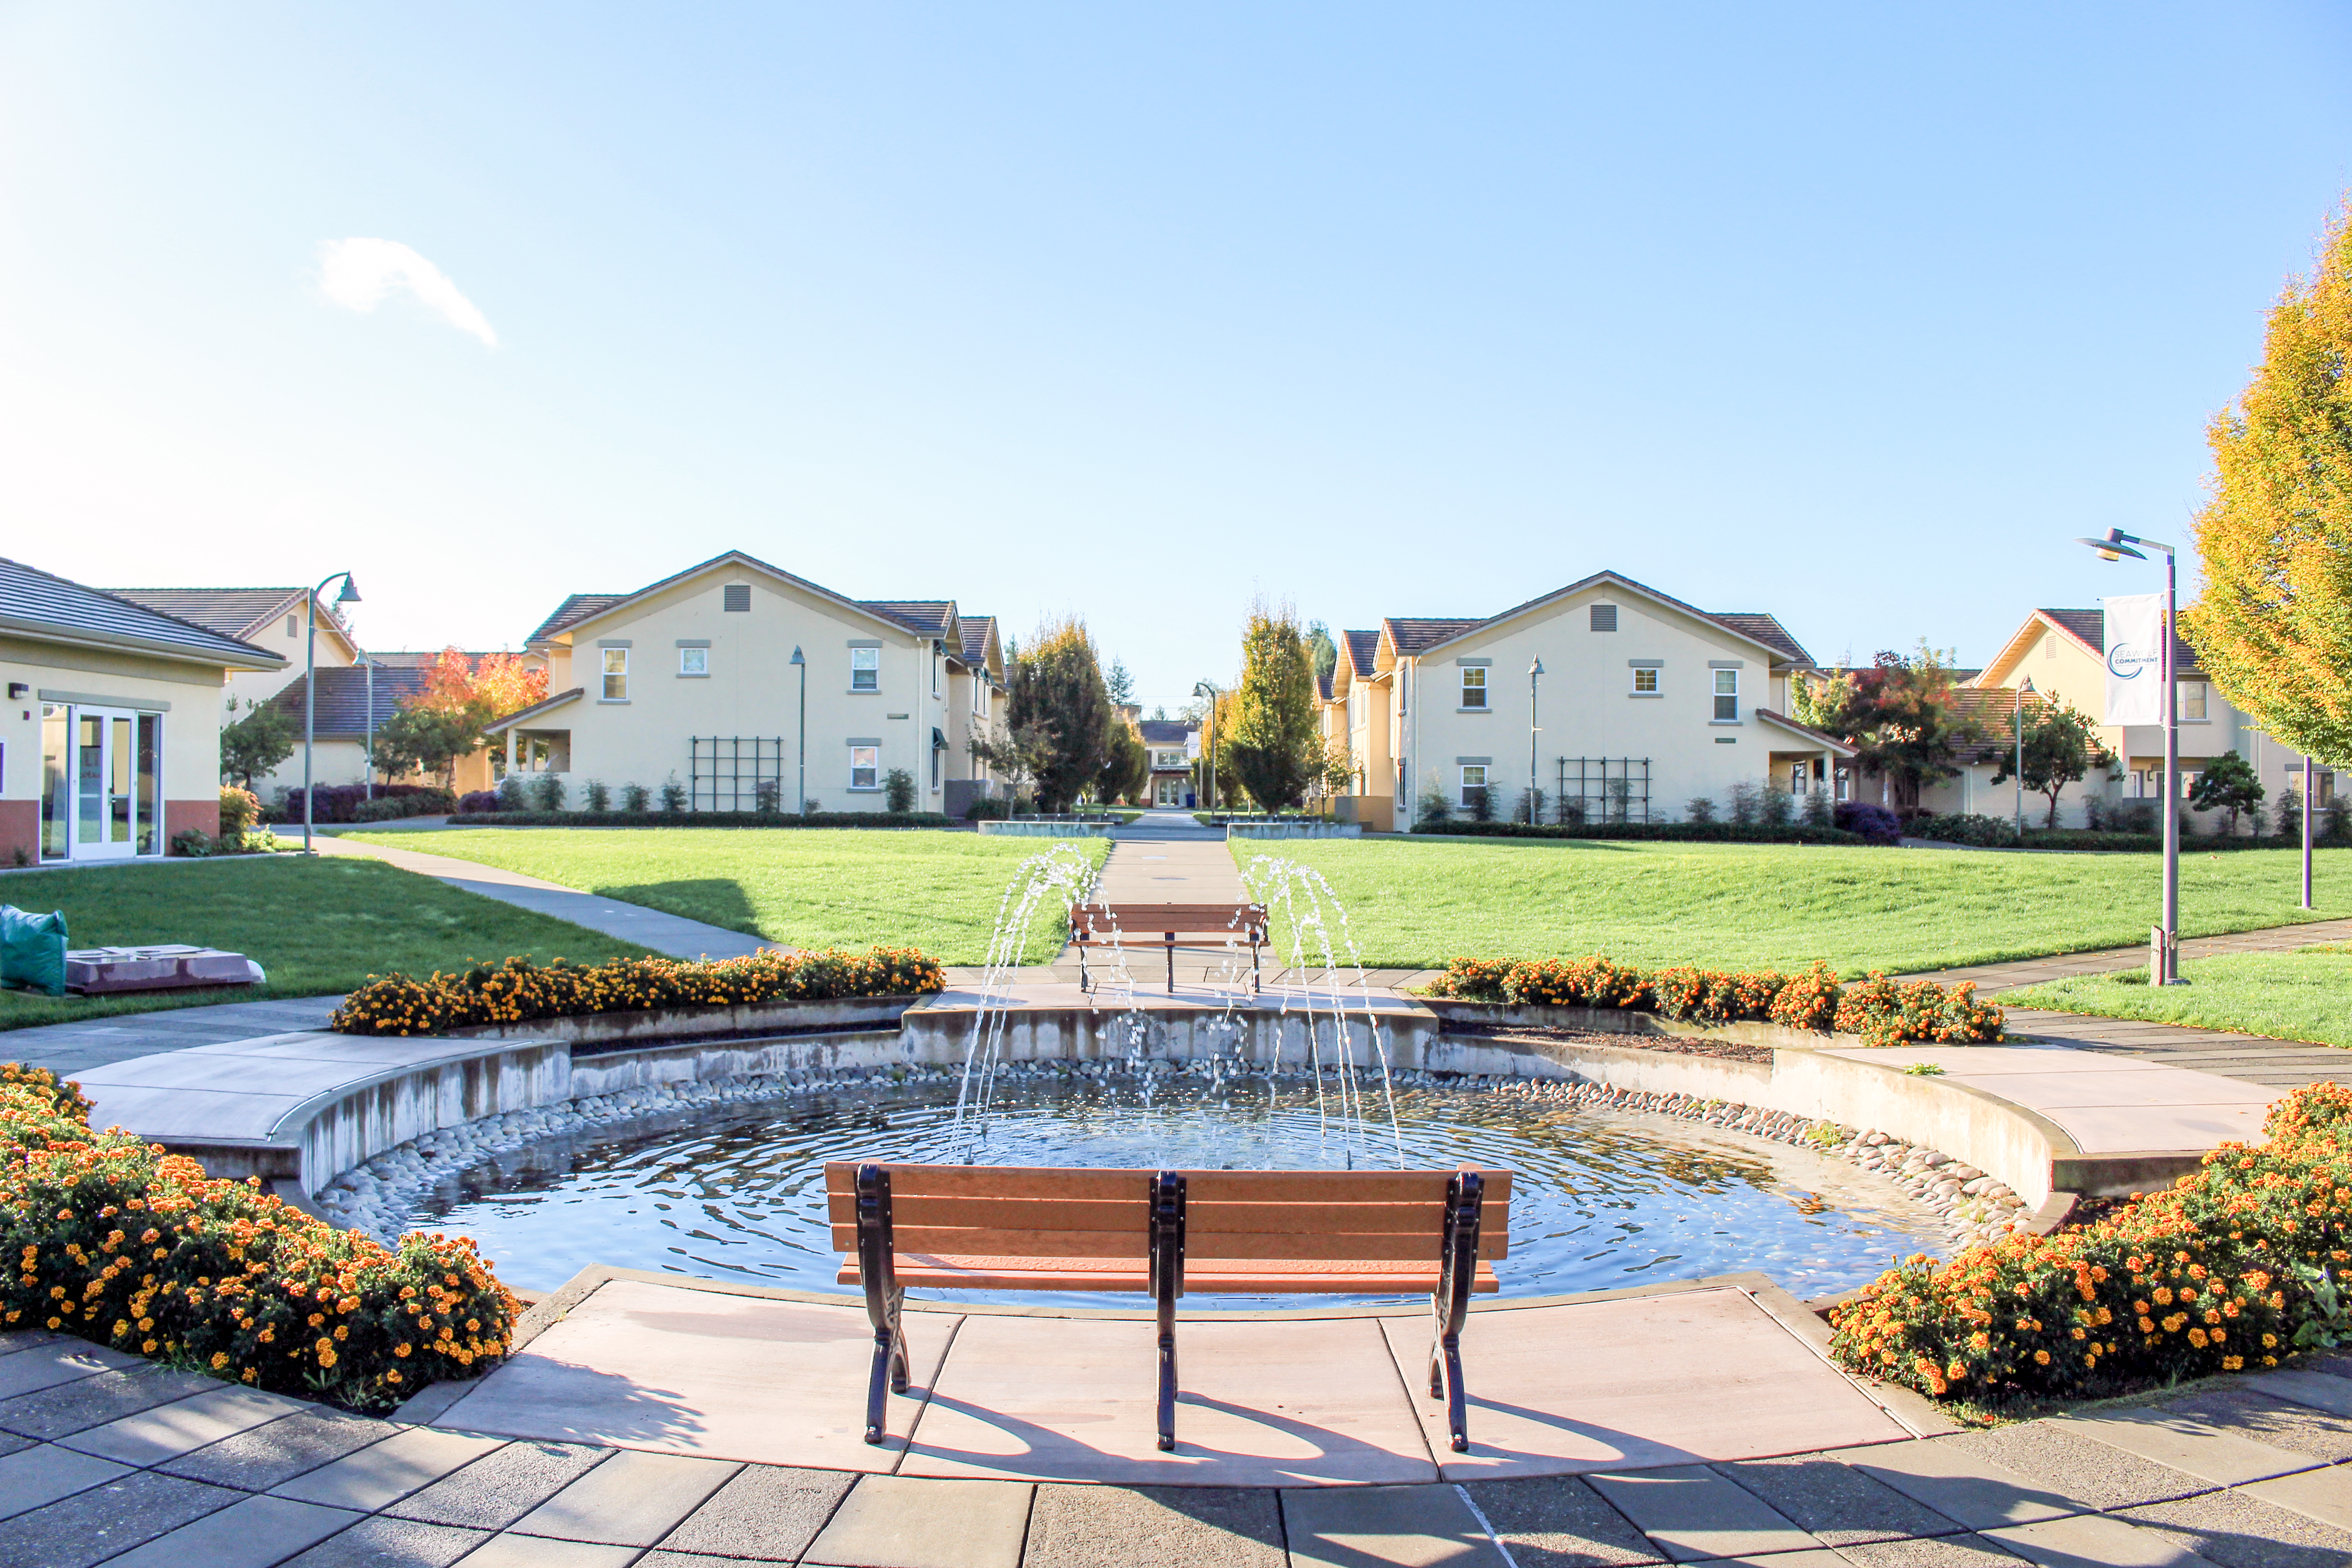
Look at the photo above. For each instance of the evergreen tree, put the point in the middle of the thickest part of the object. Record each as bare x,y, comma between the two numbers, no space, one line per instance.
2062,746
1321,650
258,742
1120,684
2229,784
1274,748
1060,702
2274,627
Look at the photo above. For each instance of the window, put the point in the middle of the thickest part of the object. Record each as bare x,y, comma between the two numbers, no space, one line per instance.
694,661
1726,695
1474,777
1645,683
865,669
1474,687
936,650
1604,617
736,596
866,767
2190,701
616,674
937,751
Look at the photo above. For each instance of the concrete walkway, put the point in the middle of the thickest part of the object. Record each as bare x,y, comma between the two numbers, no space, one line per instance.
633,923
110,1460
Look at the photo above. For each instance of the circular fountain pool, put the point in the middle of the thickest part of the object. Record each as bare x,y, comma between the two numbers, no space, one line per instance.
1603,1199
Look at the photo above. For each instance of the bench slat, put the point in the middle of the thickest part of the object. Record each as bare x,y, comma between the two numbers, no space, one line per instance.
1124,1214
1239,1276
1409,1246
1129,1215
1200,1186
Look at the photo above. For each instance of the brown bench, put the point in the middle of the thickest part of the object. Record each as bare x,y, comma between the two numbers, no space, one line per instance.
996,1227
1160,926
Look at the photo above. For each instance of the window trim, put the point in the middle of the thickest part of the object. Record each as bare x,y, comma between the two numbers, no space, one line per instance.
1718,674
605,655
872,651
1479,685
690,655
872,747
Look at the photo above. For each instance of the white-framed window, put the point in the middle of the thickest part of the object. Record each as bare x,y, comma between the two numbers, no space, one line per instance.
1726,694
1473,777
935,668
1645,683
694,661
2190,702
937,753
616,674
866,767
1168,759
1473,686
865,669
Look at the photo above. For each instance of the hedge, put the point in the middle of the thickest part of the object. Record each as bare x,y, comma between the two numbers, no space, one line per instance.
2236,1265
115,1241
700,819
1882,1011
518,989
1696,831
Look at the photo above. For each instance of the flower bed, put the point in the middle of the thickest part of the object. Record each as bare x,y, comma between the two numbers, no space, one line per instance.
1883,1012
519,989
2235,1266
115,1241
1694,832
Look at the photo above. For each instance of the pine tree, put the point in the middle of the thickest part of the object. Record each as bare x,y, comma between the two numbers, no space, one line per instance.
2274,627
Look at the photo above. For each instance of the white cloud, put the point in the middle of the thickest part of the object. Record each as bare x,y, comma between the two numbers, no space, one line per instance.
358,273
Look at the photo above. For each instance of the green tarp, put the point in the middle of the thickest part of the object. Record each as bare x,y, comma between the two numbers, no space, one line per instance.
33,949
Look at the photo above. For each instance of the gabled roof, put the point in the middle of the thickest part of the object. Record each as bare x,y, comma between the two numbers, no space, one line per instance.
1766,629
1167,731
520,715
241,612
344,696
977,631
42,605
1363,651
1782,720
1410,634
1323,685
422,658
1992,711
1414,636
926,617
2087,629
576,607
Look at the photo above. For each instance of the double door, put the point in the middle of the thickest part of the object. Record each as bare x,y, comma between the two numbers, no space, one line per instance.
116,756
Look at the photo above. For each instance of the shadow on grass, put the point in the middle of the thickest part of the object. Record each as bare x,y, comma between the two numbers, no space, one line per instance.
713,901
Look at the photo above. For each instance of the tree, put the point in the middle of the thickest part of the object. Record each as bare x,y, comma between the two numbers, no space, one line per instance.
1015,753
258,742
2227,784
1897,713
2274,627
1120,684
1274,750
426,740
1321,651
2062,746
1128,767
1059,694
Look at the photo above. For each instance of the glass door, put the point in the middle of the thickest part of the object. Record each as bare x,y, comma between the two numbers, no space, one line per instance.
115,763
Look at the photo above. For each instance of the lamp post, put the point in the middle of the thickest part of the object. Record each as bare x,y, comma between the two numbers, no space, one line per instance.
350,594
799,747
367,664
2309,784
2024,690
1209,727
1534,673
2164,966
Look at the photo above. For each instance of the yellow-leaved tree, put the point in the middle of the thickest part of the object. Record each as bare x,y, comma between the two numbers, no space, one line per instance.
2274,627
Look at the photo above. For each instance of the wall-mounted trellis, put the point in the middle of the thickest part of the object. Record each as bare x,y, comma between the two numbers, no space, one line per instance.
737,772
1602,789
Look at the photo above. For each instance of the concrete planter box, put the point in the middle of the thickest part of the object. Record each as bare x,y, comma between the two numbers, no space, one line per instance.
1048,830
1294,830
1622,1021
683,1023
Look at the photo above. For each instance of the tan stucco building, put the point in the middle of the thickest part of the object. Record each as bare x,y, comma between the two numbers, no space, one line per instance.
690,678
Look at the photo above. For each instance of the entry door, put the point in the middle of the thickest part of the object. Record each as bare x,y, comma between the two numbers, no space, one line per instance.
113,783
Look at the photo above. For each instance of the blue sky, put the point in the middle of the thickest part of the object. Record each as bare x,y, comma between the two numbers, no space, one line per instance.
1856,315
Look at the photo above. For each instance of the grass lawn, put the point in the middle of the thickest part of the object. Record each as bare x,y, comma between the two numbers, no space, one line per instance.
317,926
1417,902
2305,995
807,886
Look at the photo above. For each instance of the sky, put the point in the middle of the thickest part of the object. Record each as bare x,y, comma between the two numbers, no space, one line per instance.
1856,315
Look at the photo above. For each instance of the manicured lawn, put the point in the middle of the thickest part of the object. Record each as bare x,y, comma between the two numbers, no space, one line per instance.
2305,995
317,926
1416,902
805,887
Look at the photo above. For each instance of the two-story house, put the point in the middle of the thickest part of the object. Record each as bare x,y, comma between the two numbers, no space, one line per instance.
1644,703
693,679
1171,743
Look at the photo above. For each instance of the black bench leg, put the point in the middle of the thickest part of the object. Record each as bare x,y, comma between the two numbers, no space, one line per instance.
877,1271
1171,964
1450,1307
1167,1235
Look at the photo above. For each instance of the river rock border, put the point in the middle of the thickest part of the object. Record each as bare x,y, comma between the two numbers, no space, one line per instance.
376,1196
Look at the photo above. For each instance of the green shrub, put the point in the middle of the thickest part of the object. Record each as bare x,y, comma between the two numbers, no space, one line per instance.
1694,831
2235,1266
390,807
519,989
547,793
698,819
511,793
239,809
599,798
898,791
635,799
115,1241
673,796
1972,828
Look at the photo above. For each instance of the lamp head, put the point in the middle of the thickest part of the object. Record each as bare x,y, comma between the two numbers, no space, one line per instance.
350,594
1535,666
2113,547
2026,687
796,656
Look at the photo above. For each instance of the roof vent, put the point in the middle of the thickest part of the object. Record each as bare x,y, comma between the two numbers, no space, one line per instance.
1604,617
736,596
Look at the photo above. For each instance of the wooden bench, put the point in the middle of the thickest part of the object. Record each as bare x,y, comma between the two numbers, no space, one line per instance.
991,1228
1160,926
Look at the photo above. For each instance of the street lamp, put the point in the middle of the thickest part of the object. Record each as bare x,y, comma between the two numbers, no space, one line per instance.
1203,689
2024,691
801,747
1535,670
348,596
2308,785
2164,961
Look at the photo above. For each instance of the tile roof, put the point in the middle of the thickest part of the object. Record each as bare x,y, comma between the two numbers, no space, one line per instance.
1766,629
575,608
976,638
1167,731
929,617
1363,652
232,612
554,700
2090,627
343,693
1323,685
1413,632
36,600
422,658
1992,710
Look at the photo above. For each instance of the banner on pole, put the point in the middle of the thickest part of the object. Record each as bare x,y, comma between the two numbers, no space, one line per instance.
2136,659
